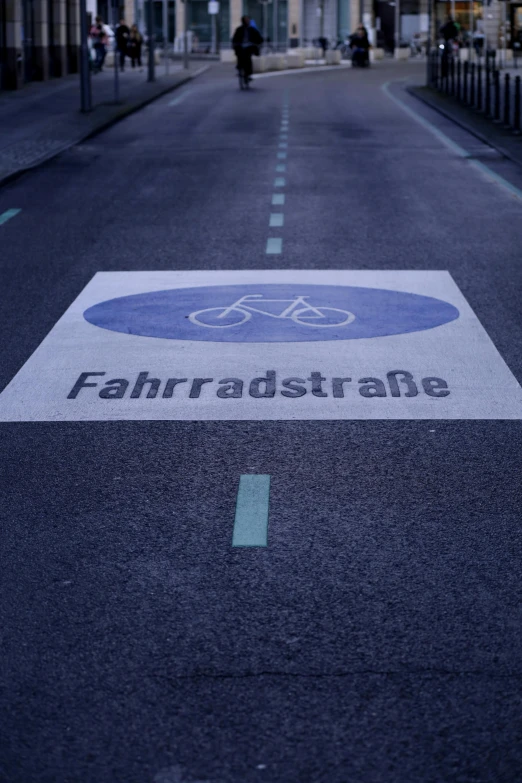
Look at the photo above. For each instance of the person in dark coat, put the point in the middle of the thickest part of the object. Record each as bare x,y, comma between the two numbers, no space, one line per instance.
134,45
246,42
360,46
122,38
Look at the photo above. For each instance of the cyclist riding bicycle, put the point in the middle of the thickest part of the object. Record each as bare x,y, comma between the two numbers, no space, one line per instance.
246,42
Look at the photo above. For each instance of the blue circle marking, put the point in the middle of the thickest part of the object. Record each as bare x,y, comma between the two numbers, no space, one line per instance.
288,313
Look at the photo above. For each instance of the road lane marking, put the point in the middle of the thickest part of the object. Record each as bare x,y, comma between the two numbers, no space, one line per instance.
10,213
297,71
295,345
251,520
279,182
281,168
283,145
274,246
180,98
282,155
278,199
453,146
277,220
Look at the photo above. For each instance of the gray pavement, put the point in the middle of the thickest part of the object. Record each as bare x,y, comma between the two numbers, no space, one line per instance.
45,119
377,638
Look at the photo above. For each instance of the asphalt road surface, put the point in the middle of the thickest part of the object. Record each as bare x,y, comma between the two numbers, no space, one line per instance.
377,637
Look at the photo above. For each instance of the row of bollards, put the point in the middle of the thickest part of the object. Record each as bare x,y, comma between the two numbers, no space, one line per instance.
479,87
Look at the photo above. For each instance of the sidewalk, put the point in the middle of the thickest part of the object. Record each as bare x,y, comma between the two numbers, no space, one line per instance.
44,119
494,134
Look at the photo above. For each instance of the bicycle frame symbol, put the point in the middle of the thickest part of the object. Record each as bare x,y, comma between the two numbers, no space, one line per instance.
298,310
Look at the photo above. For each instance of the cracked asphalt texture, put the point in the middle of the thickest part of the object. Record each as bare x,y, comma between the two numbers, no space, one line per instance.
378,637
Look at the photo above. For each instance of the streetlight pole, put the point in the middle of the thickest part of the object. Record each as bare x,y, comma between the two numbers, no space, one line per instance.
150,27
115,22
85,73
166,35
397,26
275,26
185,36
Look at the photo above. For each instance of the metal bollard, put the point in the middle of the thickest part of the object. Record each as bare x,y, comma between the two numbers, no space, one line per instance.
465,91
516,121
459,73
496,82
472,86
452,76
479,87
507,107
487,108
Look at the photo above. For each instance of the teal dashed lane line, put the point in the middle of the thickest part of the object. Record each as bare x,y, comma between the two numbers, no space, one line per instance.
274,246
277,219
281,155
251,522
278,199
281,168
5,216
279,182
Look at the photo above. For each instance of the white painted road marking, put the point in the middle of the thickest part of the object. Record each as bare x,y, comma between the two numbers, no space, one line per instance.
277,219
289,348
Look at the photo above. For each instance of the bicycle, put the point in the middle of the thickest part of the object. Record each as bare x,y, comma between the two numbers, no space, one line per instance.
299,311
244,80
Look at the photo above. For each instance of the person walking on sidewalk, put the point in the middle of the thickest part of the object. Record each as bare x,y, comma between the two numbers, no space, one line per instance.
99,42
134,45
246,42
122,39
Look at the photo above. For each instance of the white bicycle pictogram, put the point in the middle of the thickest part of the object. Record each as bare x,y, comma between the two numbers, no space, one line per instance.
298,310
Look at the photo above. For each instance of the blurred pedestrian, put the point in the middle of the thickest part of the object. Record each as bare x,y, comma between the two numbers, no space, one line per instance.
246,42
122,39
134,45
99,42
360,46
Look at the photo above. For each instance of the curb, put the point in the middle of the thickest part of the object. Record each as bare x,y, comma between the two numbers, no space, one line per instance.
306,69
464,125
125,111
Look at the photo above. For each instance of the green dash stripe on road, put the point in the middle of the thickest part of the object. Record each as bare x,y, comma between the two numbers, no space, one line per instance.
5,216
281,167
274,246
281,155
251,522
276,220
278,199
279,182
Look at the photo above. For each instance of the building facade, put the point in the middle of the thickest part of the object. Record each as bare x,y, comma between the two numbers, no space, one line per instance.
39,39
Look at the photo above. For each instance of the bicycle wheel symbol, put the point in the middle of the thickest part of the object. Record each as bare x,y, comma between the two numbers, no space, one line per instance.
214,318
332,317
